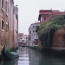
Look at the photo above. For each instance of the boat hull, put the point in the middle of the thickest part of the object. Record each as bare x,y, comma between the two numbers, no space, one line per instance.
9,55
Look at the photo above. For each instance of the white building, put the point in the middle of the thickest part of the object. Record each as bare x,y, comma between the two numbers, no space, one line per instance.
33,37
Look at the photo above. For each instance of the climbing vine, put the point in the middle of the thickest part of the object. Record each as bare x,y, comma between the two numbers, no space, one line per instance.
46,30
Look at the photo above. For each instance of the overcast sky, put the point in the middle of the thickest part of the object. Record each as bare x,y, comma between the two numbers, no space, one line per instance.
29,11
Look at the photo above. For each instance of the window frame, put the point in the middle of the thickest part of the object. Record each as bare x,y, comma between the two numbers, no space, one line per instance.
41,18
7,8
45,18
2,25
6,27
2,4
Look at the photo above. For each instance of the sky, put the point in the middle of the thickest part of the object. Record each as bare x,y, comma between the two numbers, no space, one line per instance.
29,11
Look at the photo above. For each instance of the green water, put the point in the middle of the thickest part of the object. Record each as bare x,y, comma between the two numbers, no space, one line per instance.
33,57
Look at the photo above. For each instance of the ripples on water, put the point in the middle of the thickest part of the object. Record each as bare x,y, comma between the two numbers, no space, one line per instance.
32,57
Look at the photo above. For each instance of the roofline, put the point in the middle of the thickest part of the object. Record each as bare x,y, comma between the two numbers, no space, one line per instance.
45,11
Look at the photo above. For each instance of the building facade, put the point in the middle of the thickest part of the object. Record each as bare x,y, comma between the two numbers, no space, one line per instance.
6,23
11,23
15,26
20,35
22,39
46,15
33,37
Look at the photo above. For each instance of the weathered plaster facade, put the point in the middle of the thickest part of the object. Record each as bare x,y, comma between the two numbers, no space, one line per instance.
33,37
46,15
15,26
6,23
11,23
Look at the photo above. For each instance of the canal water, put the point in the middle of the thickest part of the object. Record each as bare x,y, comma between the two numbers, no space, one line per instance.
29,56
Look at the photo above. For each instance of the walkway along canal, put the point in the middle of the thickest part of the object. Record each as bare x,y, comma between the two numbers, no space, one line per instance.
29,56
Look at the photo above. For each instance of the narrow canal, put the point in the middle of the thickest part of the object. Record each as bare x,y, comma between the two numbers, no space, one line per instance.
29,56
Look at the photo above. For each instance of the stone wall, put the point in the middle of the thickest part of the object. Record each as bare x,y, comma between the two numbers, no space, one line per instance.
59,38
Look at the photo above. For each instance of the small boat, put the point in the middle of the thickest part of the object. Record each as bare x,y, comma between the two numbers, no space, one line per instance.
9,55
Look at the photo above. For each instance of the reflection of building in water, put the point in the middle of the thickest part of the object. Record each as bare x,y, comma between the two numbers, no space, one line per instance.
11,62
1,63
23,57
34,57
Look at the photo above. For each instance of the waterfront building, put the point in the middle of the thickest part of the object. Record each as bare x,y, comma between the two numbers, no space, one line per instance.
7,23
20,35
33,36
4,23
15,26
22,39
46,15
11,23
58,40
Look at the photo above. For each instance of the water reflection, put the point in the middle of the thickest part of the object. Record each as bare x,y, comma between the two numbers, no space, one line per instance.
37,58
48,60
29,56
23,56
34,57
11,62
1,63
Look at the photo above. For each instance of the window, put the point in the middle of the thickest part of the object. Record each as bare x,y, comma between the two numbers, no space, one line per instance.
2,24
33,31
45,18
2,3
33,26
41,18
30,32
6,27
7,7
17,17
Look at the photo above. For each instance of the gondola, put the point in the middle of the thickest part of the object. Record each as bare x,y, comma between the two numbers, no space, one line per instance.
9,55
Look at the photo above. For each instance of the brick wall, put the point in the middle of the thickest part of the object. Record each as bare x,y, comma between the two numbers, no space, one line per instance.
8,20
59,38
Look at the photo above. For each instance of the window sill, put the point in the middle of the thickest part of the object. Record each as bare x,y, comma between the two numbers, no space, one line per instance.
6,32
3,9
2,30
6,14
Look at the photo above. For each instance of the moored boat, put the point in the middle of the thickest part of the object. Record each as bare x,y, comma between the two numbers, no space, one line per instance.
9,55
